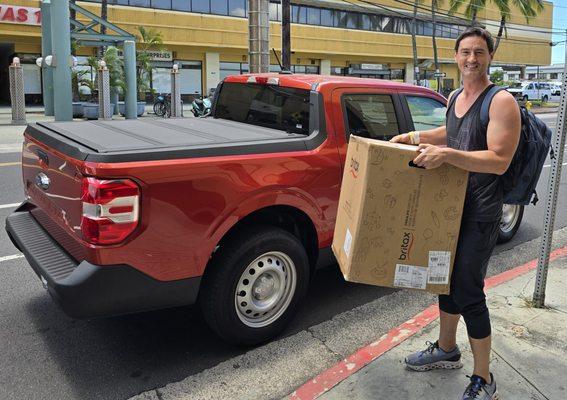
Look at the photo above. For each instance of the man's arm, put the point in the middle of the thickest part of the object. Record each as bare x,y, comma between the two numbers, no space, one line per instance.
436,136
503,135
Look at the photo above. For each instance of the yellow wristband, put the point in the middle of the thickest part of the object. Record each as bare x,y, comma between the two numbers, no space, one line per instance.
412,140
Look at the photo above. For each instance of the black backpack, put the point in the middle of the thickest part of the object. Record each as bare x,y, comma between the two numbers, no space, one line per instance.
520,180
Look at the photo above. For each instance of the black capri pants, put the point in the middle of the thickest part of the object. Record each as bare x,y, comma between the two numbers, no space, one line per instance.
474,248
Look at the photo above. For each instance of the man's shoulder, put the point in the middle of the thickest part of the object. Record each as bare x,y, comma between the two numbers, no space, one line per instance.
503,100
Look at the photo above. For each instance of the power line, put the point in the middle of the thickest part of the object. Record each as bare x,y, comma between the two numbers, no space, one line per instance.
419,7
516,40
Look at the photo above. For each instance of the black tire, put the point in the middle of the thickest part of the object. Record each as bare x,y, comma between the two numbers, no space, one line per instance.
544,99
510,224
226,273
525,98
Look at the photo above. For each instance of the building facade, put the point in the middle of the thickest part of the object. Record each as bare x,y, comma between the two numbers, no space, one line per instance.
208,39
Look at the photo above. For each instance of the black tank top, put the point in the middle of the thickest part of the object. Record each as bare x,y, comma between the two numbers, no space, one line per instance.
483,201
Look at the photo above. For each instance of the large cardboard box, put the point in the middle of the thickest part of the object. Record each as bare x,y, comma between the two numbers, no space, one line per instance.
397,225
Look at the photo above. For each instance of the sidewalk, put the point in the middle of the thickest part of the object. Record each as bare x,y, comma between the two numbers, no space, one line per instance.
529,358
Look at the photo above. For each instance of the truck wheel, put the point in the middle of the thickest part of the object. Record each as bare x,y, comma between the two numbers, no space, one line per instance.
545,99
511,219
254,284
525,98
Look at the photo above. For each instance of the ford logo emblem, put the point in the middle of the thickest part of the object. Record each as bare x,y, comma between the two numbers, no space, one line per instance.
42,181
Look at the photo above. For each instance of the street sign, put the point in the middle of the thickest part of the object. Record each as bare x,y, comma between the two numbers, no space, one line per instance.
440,74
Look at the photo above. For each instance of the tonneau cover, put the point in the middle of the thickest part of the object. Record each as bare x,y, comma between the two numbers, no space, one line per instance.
157,138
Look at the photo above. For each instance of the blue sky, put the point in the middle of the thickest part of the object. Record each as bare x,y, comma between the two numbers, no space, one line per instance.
559,23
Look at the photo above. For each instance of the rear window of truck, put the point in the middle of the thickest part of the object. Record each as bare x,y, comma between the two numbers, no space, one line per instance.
271,106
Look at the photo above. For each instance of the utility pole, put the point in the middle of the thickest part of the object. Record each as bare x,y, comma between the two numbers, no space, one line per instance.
286,35
61,61
558,145
259,36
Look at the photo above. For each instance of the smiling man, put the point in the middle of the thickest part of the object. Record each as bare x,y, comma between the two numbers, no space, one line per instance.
486,152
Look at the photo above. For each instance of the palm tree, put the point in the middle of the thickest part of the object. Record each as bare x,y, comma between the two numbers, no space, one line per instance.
472,7
528,8
414,41
434,6
148,40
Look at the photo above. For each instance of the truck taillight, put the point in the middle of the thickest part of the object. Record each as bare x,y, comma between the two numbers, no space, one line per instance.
110,210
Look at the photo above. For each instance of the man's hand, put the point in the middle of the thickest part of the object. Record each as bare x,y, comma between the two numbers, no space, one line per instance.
403,138
430,156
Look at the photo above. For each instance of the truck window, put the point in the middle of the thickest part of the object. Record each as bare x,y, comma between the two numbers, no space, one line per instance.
271,106
426,113
371,115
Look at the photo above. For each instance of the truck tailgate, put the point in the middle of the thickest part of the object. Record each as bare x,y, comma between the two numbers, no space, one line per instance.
53,183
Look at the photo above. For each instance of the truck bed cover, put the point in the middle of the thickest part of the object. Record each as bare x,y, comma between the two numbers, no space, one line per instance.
157,139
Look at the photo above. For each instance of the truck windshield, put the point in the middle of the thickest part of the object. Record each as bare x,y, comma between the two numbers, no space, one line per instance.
271,106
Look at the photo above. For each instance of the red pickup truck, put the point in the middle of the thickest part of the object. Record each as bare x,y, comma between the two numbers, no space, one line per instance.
235,211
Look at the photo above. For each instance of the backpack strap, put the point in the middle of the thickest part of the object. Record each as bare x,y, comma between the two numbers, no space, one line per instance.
485,106
453,98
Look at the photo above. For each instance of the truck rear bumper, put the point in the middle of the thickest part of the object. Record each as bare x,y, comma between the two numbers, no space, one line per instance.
85,290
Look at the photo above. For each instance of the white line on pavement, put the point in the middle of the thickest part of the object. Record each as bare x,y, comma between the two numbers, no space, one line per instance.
549,166
12,205
12,257
11,148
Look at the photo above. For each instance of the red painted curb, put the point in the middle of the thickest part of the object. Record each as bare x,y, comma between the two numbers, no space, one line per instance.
365,355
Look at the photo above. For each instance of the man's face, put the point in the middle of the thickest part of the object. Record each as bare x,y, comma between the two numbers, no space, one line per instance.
473,57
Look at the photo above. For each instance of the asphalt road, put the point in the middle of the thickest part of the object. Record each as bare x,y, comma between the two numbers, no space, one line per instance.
46,355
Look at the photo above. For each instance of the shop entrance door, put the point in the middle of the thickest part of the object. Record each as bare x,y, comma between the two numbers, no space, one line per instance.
6,52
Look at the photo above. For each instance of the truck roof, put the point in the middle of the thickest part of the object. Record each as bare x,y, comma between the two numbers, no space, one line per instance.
307,81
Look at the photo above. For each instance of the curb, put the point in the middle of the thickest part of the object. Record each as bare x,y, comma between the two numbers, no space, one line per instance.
326,380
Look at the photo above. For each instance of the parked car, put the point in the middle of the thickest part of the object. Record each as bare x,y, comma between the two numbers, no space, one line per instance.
525,91
234,212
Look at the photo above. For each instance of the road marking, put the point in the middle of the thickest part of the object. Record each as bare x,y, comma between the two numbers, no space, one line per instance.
12,205
10,164
11,148
548,166
13,257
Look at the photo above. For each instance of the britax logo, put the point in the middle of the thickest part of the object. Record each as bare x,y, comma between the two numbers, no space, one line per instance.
405,248
354,167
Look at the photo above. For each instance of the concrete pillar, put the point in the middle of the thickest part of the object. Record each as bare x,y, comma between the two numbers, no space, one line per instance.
325,67
130,98
46,72
17,94
61,50
212,66
259,35
176,110
410,74
104,110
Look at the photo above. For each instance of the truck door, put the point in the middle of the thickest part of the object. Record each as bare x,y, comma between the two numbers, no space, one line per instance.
368,112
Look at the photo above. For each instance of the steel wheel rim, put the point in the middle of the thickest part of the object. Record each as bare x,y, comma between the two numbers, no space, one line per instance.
265,289
510,215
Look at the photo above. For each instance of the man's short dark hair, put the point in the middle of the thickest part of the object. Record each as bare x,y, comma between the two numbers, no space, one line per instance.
476,31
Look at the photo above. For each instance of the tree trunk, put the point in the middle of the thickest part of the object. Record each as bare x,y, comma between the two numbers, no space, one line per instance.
434,40
286,35
473,17
500,33
104,17
414,43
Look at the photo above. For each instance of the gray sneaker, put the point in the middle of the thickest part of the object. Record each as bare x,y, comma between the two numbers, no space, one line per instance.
433,357
478,389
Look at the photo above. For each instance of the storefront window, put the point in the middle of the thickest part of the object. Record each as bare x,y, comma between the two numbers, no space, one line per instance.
140,3
274,11
299,14
219,7
181,5
200,6
165,4
237,8
313,16
326,17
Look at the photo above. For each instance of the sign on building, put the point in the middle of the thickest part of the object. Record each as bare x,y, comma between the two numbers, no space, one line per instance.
20,15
